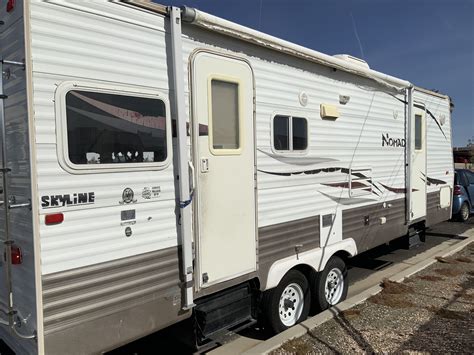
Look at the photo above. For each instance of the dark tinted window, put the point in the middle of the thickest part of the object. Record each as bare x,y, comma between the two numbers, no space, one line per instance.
470,177
290,133
300,133
460,179
109,129
281,133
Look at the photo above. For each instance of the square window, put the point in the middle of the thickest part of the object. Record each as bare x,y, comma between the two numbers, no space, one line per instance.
290,133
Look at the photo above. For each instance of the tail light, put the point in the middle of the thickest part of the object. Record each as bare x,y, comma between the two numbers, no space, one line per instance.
55,218
457,190
10,5
16,255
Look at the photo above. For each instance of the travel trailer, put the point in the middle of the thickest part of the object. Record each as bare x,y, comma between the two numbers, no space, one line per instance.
162,164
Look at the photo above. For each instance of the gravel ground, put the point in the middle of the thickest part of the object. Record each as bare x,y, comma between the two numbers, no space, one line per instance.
430,312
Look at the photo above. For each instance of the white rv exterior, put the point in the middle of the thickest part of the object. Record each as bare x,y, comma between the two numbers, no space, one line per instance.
294,157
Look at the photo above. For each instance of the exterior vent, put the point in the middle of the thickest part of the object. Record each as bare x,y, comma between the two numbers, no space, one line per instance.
354,60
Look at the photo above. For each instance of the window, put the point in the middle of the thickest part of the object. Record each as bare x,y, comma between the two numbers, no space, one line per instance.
470,177
290,133
281,133
460,179
107,129
225,115
418,133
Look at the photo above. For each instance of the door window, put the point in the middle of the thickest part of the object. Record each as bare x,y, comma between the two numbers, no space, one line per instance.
225,115
418,132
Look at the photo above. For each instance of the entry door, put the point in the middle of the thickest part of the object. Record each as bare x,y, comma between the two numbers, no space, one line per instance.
224,161
418,172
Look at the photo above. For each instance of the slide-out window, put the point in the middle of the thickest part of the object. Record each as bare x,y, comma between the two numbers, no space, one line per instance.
418,132
225,115
290,133
109,129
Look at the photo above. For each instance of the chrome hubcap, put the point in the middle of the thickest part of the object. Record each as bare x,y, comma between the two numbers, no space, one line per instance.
334,286
291,304
465,212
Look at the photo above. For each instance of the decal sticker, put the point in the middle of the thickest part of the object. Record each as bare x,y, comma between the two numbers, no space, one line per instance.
151,192
68,200
392,142
427,111
128,196
146,193
397,190
156,191
431,181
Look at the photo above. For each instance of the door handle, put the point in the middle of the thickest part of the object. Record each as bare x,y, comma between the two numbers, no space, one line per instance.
12,203
192,170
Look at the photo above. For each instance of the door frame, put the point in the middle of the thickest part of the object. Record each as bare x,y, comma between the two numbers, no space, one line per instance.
194,133
417,107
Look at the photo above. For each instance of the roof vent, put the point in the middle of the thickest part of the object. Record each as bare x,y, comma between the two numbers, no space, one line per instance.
354,60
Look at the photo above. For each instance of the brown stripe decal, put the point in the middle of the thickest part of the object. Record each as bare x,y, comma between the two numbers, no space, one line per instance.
77,296
364,224
280,240
432,181
397,190
434,213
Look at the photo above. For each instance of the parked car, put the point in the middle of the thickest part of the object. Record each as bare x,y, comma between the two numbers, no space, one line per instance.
463,194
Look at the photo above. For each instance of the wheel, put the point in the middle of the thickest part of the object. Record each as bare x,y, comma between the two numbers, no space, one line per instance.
329,287
463,214
288,303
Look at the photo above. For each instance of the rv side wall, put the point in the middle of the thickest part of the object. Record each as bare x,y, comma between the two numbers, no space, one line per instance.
19,185
339,185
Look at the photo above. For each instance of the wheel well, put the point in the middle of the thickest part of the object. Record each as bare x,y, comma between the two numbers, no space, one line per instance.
306,270
344,255
309,271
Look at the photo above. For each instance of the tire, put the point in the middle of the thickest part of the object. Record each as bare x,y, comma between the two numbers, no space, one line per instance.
326,285
288,303
463,214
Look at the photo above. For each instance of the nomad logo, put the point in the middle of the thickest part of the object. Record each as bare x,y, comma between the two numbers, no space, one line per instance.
392,142
81,198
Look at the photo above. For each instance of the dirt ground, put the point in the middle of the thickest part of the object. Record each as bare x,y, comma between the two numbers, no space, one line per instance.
430,312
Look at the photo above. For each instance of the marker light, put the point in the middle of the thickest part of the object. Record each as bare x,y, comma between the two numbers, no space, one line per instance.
55,218
17,256
10,5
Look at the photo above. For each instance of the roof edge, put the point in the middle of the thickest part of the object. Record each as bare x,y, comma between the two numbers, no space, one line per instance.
229,28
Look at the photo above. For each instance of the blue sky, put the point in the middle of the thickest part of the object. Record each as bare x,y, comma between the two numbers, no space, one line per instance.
427,42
